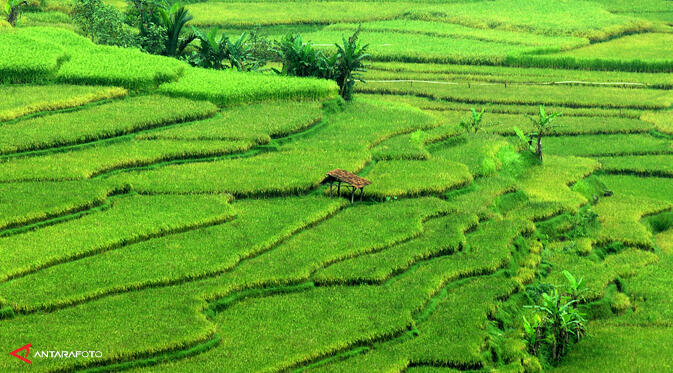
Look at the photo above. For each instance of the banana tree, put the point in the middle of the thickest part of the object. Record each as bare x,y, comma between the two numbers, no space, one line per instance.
13,10
350,63
174,20
543,127
474,123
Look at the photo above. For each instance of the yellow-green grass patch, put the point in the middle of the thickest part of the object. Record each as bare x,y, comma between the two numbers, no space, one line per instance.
647,165
259,225
569,96
100,122
22,203
607,145
620,216
255,122
414,178
662,120
249,14
650,187
229,87
130,218
103,158
443,29
19,100
582,19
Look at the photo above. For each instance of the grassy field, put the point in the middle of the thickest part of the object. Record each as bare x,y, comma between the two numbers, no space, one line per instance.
172,218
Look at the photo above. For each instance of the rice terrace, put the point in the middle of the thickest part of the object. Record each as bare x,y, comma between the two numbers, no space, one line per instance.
419,186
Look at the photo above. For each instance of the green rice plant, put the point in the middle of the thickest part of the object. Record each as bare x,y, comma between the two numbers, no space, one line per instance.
597,274
581,19
107,158
17,101
130,68
129,219
461,316
420,48
47,18
608,145
478,153
250,14
300,256
297,166
259,225
87,63
453,30
662,120
506,74
34,61
640,53
620,216
23,203
648,290
650,187
441,236
439,107
119,325
480,195
100,122
548,182
504,124
646,165
314,323
413,178
664,241
409,146
566,96
256,122
229,87
641,348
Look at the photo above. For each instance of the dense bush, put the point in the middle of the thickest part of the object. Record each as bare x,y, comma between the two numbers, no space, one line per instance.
102,23
344,66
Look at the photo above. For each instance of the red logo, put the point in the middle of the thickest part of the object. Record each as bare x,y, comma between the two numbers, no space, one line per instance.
23,358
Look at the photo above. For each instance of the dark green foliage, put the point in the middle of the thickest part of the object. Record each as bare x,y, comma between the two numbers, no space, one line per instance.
174,20
145,15
13,10
343,66
543,127
557,322
350,58
214,53
473,125
102,23
302,59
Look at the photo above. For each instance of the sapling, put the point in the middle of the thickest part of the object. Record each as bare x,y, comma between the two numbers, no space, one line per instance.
543,127
473,125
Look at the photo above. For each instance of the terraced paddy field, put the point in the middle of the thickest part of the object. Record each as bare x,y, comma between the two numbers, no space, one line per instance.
168,218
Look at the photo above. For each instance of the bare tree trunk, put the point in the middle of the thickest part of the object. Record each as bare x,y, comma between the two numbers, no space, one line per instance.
538,148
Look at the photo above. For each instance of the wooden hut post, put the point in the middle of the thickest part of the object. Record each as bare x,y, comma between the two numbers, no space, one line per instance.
353,196
330,187
339,189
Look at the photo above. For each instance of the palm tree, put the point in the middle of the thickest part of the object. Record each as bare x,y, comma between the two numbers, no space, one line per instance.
174,20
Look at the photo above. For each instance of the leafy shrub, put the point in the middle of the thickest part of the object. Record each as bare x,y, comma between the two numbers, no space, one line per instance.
344,66
212,53
543,127
473,125
102,23
13,10
557,322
